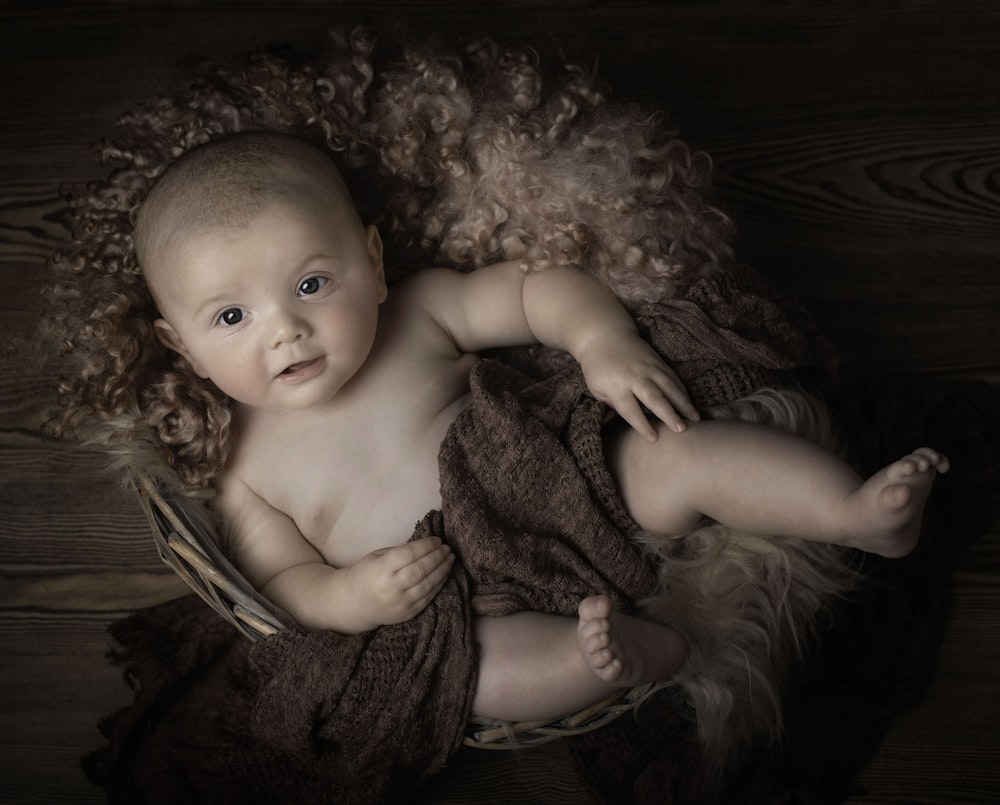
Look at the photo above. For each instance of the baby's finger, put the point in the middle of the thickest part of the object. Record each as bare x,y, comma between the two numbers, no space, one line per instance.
630,410
673,389
405,555
430,566
660,406
431,578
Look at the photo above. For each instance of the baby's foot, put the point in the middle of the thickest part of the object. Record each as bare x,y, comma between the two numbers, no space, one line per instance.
623,650
890,504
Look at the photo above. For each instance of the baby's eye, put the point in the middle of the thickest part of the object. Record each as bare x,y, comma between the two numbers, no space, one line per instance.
312,285
231,316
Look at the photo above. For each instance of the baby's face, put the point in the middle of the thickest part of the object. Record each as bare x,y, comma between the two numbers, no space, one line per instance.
280,313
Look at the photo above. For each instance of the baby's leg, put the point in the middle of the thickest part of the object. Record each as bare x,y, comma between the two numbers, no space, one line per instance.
537,667
764,480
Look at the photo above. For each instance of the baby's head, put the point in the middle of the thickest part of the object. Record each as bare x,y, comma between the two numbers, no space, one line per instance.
226,183
260,265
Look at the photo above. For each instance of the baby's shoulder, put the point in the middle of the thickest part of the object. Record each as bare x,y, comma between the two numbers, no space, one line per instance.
258,442
444,294
256,477
417,306
426,289
232,494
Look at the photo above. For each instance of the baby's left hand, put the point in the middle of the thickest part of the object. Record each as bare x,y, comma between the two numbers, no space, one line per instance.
626,373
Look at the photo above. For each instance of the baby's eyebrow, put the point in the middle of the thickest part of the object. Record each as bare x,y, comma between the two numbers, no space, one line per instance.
312,258
211,302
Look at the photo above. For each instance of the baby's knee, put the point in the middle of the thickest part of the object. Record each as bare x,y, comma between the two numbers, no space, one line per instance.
653,480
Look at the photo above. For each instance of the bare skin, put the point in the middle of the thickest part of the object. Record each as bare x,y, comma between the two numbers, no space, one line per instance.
890,504
572,666
342,397
765,481
624,650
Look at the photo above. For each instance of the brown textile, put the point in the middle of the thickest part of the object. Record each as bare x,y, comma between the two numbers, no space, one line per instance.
531,511
731,334
528,504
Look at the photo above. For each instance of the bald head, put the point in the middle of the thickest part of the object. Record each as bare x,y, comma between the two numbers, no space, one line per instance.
226,183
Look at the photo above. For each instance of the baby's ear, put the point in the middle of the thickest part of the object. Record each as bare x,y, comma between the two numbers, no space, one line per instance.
374,243
169,337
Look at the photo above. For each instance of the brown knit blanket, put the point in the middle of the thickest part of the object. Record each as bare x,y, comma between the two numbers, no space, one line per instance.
531,511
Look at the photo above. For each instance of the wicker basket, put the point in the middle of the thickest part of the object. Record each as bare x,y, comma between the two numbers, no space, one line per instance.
193,554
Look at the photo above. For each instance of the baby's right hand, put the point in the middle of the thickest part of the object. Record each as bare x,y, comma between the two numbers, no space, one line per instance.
397,583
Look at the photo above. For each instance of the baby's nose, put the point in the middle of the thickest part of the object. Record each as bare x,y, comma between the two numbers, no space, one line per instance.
287,328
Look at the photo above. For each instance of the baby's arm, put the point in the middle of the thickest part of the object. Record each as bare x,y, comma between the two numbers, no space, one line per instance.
570,310
500,305
387,586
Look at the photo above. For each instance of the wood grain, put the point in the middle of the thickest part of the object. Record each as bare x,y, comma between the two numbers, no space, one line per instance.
856,145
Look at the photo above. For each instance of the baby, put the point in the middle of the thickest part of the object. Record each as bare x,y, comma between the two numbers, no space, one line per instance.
270,285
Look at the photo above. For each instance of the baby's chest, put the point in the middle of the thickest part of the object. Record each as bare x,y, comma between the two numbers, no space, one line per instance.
347,509
353,489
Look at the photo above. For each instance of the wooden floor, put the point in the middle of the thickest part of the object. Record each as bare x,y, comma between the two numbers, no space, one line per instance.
857,144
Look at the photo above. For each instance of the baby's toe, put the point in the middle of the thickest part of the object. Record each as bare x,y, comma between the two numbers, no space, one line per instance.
895,496
935,459
596,606
589,628
610,671
929,458
907,466
596,642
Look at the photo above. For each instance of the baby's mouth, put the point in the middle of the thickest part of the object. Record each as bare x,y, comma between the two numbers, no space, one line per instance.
295,367
300,367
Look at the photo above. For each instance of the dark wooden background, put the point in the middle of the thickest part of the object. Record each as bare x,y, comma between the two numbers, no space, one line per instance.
857,144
